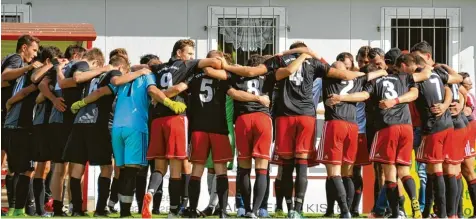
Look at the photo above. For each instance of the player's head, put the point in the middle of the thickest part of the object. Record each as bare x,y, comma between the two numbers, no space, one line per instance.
339,65
255,60
424,50
27,47
391,56
407,63
118,51
297,44
347,59
184,50
120,62
369,68
48,53
467,83
377,57
94,57
215,54
147,58
74,52
363,56
229,58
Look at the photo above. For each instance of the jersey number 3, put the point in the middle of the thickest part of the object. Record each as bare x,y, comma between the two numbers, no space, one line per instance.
390,92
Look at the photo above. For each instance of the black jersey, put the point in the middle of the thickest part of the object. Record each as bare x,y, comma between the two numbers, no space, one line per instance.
73,94
12,61
295,92
345,110
260,85
390,87
458,121
432,91
207,111
169,74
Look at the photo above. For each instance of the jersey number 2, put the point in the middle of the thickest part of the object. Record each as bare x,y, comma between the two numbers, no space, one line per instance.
297,77
206,91
347,88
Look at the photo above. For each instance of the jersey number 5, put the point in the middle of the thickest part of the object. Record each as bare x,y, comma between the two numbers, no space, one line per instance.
206,91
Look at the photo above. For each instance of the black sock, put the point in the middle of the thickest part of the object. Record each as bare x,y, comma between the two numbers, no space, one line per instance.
259,189
349,189
451,194
264,203
428,195
114,190
459,200
287,182
245,187
301,184
39,193
401,202
439,190
57,207
472,192
185,194
222,191
410,187
48,185
392,197
141,184
157,198
279,194
128,180
11,183
21,191
175,184
358,186
194,189
341,196
155,181
330,196
103,193
76,194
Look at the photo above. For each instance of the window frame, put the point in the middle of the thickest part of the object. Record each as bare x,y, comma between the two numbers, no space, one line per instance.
22,10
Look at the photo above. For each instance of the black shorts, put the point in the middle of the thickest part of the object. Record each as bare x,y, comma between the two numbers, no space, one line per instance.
89,142
59,133
41,143
4,139
19,153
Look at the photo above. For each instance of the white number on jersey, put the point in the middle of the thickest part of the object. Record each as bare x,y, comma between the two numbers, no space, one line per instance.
455,90
166,80
390,92
350,85
438,88
206,87
297,77
253,86
94,85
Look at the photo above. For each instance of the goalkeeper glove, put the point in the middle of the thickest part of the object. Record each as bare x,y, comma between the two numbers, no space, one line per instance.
77,106
175,106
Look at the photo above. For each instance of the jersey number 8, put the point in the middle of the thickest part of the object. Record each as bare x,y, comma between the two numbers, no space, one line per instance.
253,86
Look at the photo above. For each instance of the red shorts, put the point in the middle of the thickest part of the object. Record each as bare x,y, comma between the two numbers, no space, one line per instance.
455,155
219,144
295,135
338,142
362,157
168,138
469,150
392,145
433,146
254,136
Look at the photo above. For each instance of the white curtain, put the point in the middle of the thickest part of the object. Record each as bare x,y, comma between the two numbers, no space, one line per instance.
247,33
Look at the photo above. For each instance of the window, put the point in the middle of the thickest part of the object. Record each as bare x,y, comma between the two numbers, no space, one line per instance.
244,31
16,13
403,27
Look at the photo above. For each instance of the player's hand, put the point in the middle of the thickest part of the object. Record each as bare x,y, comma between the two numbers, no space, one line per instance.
58,103
62,63
467,111
77,106
306,56
35,64
455,108
144,71
333,100
8,106
175,106
224,63
153,102
387,104
264,100
439,109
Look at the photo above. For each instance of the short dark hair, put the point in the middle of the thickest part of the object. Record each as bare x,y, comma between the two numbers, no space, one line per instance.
213,53
118,51
147,57
74,50
408,59
297,44
369,68
49,52
363,52
423,47
464,75
181,44
374,52
26,39
255,60
344,55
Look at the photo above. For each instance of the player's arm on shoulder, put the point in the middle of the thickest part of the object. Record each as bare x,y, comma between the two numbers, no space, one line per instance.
156,94
243,96
64,82
376,74
80,77
13,70
453,76
20,95
176,90
294,66
343,74
209,62
423,75
355,97
40,72
303,50
126,78
215,73
97,94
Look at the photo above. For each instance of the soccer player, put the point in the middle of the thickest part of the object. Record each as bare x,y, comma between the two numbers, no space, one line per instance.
437,127
60,122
